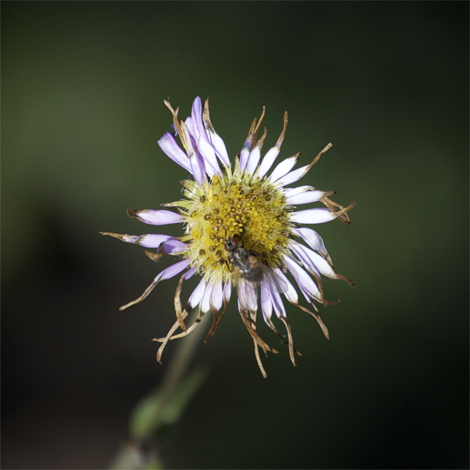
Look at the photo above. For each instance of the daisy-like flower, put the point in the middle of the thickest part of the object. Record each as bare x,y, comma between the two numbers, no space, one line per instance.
241,231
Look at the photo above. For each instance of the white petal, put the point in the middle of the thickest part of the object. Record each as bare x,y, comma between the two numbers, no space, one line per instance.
313,240
300,252
272,154
153,217
217,295
289,192
196,295
227,291
268,161
313,216
290,293
307,286
247,295
245,153
206,298
283,168
322,265
307,197
253,160
171,148
293,176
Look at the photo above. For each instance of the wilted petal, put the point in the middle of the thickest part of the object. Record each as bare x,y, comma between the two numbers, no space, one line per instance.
272,154
214,138
313,216
147,241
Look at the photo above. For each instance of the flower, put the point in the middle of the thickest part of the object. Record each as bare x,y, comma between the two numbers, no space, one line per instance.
239,228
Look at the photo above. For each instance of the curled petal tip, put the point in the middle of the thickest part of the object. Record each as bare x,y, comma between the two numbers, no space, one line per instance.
131,213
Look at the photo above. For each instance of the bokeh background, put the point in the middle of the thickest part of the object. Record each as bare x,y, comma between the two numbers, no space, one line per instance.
82,108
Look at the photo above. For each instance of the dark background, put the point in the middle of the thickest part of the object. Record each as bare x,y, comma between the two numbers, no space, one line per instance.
82,108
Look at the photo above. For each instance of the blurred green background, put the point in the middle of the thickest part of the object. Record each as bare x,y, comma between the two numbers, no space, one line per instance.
83,86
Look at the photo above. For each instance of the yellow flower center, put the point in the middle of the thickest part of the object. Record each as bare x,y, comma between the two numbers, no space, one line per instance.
235,206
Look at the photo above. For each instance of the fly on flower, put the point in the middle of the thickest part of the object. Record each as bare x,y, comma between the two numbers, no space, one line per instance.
228,208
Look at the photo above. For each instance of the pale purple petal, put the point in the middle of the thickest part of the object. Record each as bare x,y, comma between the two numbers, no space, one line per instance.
301,253
278,304
160,217
202,142
171,148
219,146
196,160
173,270
266,301
216,141
320,264
306,197
293,176
313,216
313,240
174,246
304,281
283,168
272,154
190,273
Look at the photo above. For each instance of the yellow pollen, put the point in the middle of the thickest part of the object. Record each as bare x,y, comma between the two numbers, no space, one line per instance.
234,206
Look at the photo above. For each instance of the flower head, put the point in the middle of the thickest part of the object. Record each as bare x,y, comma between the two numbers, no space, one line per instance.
240,224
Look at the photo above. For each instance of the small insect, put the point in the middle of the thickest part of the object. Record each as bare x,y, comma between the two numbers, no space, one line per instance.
247,266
